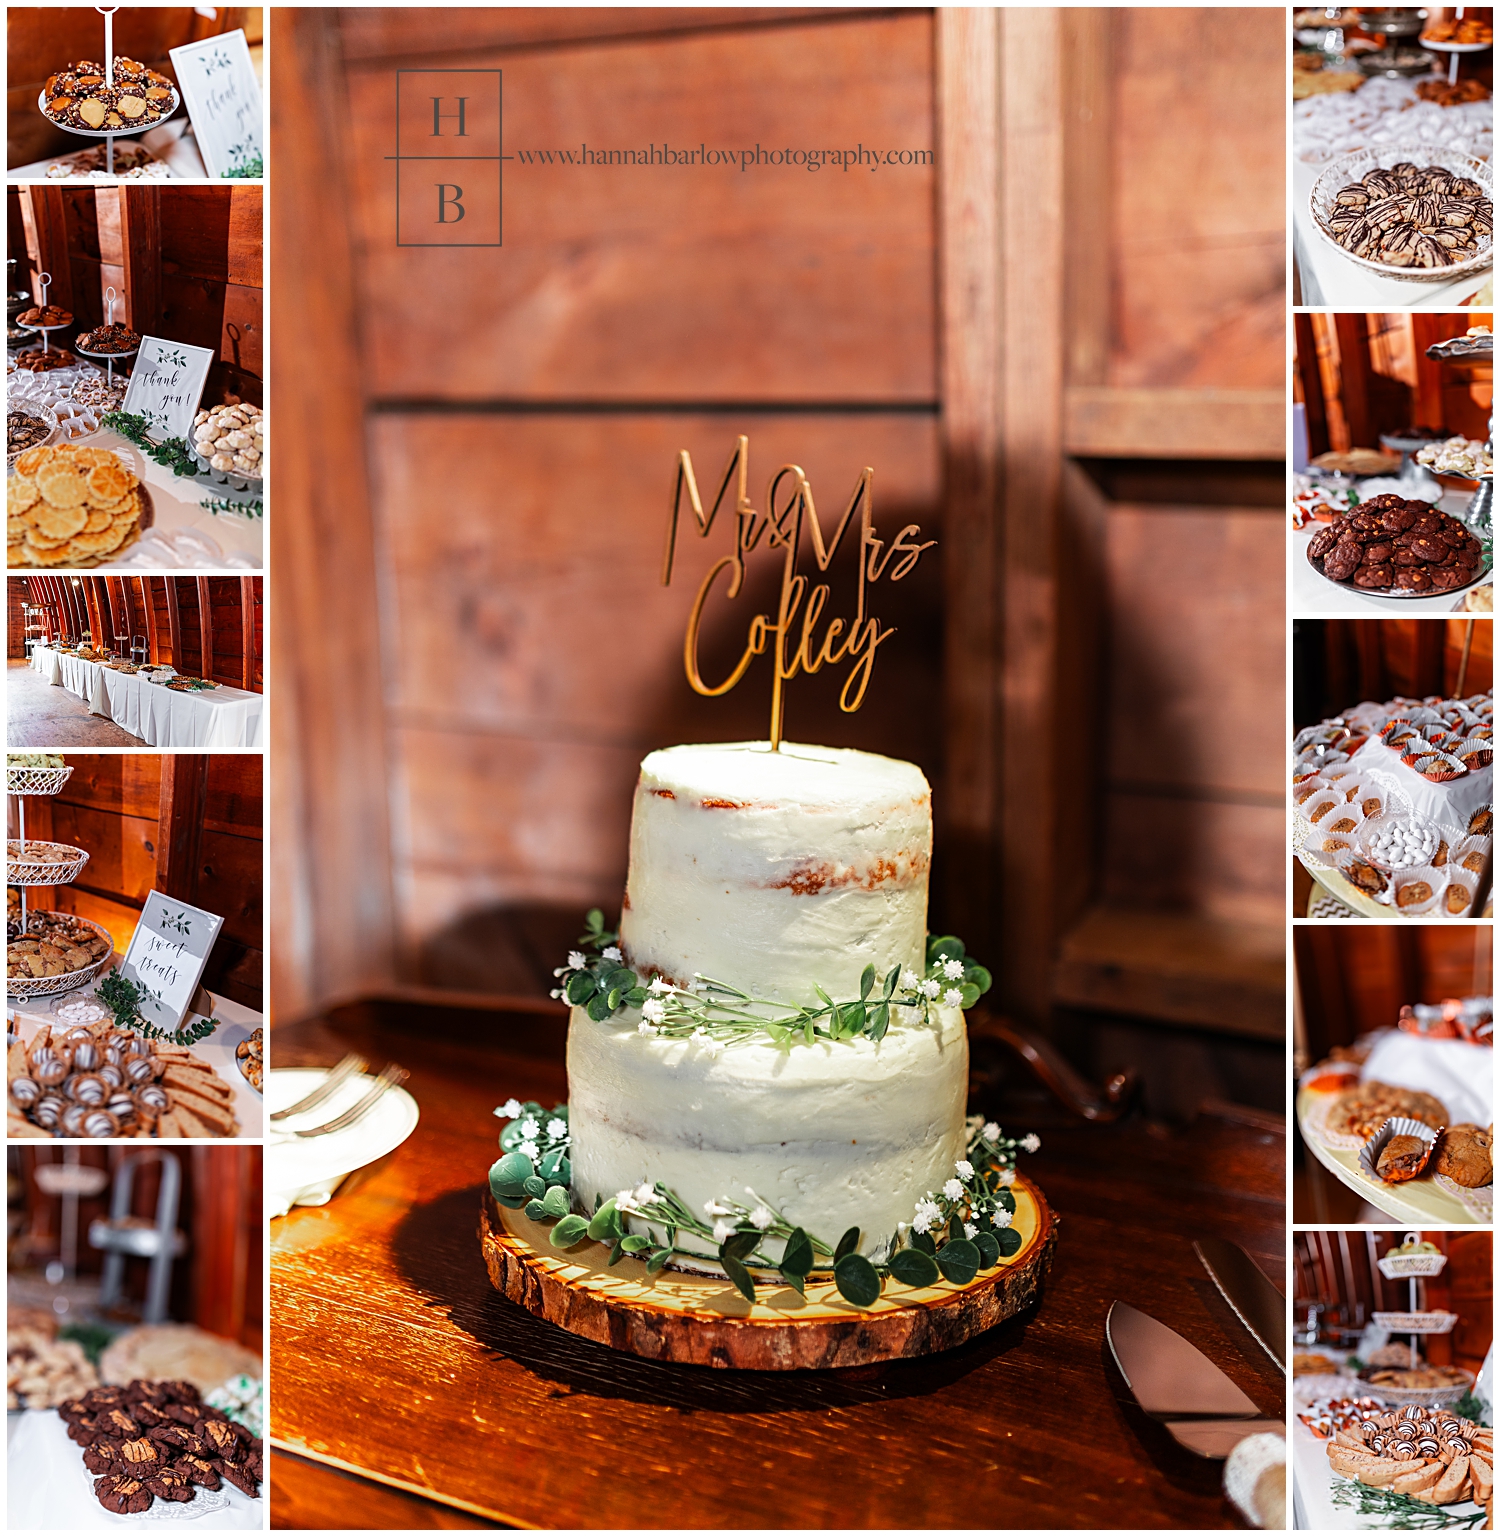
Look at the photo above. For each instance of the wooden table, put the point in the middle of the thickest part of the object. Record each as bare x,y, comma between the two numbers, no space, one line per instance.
393,1359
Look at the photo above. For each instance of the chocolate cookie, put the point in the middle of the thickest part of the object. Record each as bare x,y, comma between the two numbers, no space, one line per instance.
199,1470
1323,541
170,1485
1410,579
122,1494
240,1477
1343,561
103,1456
1373,576
141,1457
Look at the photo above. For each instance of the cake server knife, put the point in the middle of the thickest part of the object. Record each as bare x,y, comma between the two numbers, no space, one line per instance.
1249,1291
1175,1383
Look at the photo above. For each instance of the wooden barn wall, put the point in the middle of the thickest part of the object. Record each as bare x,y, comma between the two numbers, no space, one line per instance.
17,596
516,467
187,262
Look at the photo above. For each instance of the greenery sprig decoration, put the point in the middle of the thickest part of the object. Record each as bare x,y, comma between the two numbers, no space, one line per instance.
603,985
1398,1512
171,452
217,505
123,999
954,1234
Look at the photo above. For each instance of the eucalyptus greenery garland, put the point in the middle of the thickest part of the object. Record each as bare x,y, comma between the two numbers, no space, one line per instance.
603,986
122,998
954,1234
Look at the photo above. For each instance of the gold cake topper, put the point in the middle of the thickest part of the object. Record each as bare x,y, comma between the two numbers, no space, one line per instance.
855,640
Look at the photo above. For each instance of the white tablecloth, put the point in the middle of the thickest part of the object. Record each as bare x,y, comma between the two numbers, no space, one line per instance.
51,1490
211,721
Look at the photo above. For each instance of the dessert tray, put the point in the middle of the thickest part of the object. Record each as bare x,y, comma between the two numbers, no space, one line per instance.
62,981
30,863
1349,169
702,1320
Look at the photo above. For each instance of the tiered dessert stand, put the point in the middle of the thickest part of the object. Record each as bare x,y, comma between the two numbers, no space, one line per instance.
701,1320
44,280
109,359
1415,1268
1475,352
109,135
22,782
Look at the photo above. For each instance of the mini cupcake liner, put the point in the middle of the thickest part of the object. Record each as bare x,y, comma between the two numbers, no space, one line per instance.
1458,896
1442,767
1397,1126
1434,879
1347,812
1466,848
1319,807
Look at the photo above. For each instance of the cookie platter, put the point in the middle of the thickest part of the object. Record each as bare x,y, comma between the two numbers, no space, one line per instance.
1388,547
702,1320
1351,170
74,507
68,934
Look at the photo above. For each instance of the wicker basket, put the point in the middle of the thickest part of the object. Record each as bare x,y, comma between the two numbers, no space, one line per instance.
1339,173
44,987
61,872
36,781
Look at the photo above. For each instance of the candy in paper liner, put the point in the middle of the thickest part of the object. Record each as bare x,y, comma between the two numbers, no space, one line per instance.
1363,874
1309,787
1407,885
1396,1126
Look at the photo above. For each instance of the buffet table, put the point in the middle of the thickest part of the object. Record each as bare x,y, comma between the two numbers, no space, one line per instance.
396,1361
188,536
212,720
236,1024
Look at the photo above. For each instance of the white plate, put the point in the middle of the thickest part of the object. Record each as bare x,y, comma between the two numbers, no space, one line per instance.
307,1173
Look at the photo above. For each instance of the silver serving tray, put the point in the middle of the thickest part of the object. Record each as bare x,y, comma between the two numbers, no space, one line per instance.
1486,562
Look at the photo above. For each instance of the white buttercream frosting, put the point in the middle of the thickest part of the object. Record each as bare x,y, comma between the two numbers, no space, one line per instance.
836,1135
777,872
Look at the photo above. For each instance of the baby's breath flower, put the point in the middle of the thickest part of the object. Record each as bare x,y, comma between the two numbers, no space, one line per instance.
953,970
557,1127
761,1217
643,1194
953,1190
1031,1142
930,988
611,953
928,1213
1001,1217
909,978
654,1010
529,1127
1007,1176
658,986
953,997
509,1110
714,1209
645,1028
530,1150
965,1169
577,960
722,1229
990,1132
970,1229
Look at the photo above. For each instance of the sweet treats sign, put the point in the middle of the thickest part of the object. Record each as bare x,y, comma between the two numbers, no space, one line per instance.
800,639
167,954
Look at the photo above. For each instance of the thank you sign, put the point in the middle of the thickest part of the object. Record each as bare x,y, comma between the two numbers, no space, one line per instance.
167,954
166,385
222,95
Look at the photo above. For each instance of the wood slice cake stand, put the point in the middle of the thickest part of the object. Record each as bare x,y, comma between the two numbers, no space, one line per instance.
699,1320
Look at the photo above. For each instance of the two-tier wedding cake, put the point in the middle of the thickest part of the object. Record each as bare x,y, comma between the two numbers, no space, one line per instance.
773,882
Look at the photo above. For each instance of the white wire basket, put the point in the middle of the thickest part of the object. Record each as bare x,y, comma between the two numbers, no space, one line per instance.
45,987
1435,1322
1340,173
52,872
36,781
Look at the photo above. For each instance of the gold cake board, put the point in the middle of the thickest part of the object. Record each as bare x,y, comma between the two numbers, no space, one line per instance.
699,1320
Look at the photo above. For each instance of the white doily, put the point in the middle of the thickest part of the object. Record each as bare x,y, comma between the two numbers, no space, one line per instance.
1384,112
203,1502
183,549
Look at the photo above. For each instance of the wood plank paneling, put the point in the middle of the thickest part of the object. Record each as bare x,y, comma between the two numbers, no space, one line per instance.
674,283
335,922
1199,202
